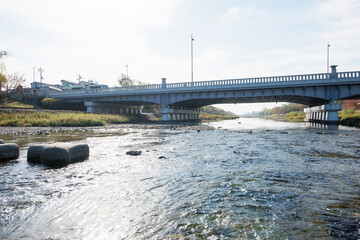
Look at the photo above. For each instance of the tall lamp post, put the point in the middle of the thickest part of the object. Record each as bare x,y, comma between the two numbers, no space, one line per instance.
328,54
192,60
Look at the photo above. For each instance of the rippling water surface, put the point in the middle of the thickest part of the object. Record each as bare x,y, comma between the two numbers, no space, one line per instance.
247,179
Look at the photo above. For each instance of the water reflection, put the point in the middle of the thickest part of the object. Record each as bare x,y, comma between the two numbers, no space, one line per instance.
281,181
324,126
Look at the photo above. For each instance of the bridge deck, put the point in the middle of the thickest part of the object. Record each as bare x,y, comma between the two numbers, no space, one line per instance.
276,81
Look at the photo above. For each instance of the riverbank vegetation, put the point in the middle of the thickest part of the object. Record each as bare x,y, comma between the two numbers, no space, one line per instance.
16,104
350,114
287,112
65,119
210,113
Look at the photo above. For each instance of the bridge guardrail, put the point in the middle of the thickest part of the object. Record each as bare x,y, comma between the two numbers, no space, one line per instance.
227,82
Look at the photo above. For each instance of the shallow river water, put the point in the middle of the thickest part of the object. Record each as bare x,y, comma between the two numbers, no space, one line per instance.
247,179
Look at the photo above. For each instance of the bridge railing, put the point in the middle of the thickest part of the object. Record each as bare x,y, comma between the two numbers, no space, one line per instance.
114,89
348,75
207,84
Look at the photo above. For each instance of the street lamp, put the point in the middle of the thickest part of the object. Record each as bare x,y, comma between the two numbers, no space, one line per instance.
328,54
192,61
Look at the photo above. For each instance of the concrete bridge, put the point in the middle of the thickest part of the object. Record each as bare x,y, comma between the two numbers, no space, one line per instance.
182,101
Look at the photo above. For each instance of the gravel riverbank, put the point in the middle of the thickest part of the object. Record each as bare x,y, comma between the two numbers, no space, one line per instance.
29,131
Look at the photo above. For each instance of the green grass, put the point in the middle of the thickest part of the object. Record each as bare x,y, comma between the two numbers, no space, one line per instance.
16,104
297,116
349,118
53,119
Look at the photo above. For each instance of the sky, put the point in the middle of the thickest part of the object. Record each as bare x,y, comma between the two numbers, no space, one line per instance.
232,39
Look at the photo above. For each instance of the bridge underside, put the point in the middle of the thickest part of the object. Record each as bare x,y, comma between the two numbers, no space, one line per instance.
197,103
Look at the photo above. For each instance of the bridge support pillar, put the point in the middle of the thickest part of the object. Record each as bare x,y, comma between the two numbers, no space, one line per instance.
327,113
175,114
112,108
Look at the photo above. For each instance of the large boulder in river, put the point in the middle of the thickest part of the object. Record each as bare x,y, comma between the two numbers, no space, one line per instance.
58,155
9,151
34,153
2,141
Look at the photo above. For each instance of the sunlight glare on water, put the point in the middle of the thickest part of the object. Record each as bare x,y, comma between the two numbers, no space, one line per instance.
247,179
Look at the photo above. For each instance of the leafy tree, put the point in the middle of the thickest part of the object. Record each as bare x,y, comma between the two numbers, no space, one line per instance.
53,103
124,81
286,108
3,81
214,110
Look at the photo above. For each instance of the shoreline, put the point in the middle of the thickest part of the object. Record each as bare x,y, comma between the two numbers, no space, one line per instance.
37,131
349,122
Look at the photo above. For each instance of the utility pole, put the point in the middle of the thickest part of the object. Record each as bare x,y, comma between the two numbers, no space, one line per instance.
41,72
328,56
2,65
79,78
34,73
192,61
3,53
127,71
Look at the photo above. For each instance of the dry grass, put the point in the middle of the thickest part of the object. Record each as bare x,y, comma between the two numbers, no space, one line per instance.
47,119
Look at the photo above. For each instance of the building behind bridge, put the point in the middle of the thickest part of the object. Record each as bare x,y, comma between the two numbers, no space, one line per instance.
40,88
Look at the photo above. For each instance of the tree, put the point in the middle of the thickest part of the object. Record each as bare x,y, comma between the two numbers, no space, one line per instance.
2,81
124,81
12,83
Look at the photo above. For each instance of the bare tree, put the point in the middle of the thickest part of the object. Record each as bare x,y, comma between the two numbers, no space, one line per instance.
10,84
125,81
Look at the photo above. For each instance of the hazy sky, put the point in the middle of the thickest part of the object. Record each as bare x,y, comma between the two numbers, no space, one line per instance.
233,38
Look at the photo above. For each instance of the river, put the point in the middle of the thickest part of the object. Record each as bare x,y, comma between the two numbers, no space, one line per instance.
246,179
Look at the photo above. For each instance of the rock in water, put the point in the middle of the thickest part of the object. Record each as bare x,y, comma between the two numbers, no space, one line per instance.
55,156
58,155
78,152
9,151
133,153
2,141
34,153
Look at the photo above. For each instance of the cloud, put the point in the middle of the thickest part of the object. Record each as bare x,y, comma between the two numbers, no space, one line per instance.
342,21
240,15
95,38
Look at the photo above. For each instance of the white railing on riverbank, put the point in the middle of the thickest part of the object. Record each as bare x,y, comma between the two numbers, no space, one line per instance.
277,80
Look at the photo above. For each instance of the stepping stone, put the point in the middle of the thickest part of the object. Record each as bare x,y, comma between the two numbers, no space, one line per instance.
58,155
9,151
